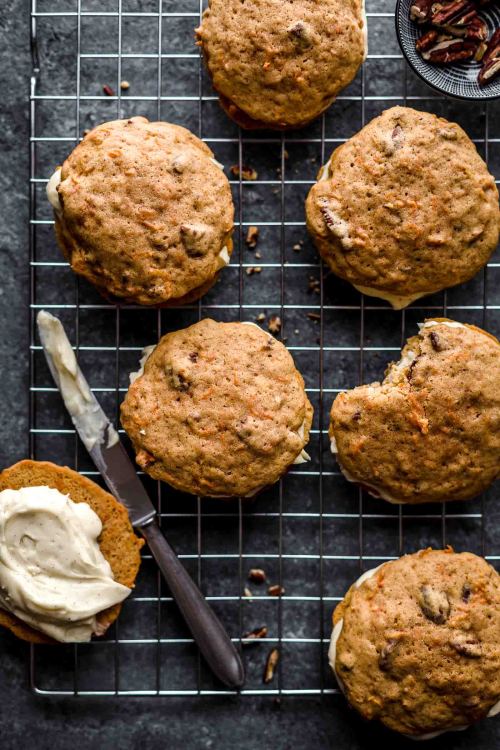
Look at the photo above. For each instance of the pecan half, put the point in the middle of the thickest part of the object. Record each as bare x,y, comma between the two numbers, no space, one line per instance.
426,41
457,13
491,60
451,50
434,604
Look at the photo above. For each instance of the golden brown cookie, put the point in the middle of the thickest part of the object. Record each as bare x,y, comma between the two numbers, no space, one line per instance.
220,410
144,212
431,430
281,63
405,208
118,543
416,642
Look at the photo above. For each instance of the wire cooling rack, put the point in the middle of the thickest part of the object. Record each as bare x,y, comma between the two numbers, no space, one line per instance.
312,533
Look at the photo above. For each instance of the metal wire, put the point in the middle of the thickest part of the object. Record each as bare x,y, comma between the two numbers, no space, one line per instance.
149,652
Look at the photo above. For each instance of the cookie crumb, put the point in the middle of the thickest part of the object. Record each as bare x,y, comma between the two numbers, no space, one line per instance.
124,85
313,316
253,269
260,317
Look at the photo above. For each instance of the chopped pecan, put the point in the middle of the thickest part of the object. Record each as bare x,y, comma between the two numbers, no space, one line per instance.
466,593
271,664
301,33
385,655
436,343
276,590
491,60
435,604
274,324
255,634
451,50
466,645
252,237
420,10
257,575
196,238
246,172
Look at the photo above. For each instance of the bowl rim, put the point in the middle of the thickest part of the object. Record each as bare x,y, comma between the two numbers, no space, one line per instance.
451,95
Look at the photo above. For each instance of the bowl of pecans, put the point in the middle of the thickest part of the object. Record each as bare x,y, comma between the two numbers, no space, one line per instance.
453,45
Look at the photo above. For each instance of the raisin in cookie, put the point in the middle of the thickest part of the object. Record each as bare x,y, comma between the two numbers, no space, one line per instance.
281,63
405,208
416,642
144,212
431,430
218,410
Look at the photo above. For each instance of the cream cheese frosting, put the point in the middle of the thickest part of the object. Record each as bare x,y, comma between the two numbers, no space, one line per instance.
332,658
83,407
53,576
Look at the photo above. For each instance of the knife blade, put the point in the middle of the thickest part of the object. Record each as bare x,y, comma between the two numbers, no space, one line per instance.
112,460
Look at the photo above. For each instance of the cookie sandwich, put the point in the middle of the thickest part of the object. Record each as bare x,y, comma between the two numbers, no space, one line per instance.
430,431
144,212
218,409
68,554
280,64
405,208
416,643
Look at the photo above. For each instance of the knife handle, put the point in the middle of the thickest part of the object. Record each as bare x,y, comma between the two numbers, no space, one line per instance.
207,630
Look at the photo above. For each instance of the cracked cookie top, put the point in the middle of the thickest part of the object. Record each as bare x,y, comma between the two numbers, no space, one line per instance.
419,642
220,410
405,207
280,63
431,430
144,212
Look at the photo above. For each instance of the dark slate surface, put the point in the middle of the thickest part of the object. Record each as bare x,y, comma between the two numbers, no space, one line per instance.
219,722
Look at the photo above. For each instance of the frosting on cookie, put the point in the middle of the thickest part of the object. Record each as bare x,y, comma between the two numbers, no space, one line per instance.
53,576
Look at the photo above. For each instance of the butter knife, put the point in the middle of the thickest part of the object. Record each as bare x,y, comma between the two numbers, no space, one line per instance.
107,452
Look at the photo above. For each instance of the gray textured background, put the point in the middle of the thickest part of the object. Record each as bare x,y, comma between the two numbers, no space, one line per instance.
213,722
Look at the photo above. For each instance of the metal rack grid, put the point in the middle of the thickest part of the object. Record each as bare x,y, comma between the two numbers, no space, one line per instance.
312,533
